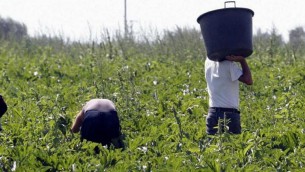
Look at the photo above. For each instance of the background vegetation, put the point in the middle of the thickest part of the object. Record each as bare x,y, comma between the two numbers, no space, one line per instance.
157,82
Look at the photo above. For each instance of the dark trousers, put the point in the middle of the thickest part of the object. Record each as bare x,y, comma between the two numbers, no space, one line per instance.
101,127
218,118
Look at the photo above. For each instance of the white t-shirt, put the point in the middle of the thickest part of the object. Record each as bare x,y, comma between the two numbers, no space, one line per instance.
102,105
222,82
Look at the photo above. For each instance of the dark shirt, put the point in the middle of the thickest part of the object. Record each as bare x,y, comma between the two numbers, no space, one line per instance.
3,106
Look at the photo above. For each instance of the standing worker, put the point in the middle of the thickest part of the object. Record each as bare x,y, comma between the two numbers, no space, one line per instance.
223,87
98,122
3,109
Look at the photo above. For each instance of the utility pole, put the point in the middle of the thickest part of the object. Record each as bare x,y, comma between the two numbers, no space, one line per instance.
125,18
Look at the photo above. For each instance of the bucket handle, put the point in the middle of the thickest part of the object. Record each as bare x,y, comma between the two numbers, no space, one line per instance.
230,2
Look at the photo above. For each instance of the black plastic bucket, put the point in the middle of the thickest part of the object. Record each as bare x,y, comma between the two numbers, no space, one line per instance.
227,31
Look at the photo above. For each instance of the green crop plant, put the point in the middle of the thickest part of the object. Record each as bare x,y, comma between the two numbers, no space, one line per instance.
162,102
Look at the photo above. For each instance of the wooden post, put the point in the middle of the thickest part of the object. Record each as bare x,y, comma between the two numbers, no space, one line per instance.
125,18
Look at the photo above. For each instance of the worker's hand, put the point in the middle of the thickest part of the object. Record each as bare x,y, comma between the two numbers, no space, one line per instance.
235,58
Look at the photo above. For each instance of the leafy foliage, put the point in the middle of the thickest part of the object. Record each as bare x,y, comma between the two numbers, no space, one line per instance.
11,29
162,103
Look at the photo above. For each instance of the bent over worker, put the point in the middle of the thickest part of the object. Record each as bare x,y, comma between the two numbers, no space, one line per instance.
98,122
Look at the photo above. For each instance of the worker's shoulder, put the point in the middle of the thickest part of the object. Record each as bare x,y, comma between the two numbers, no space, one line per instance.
100,101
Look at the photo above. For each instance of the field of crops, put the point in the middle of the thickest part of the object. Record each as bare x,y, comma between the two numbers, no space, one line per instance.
162,102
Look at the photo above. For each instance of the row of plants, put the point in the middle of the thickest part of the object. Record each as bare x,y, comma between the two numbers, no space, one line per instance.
162,102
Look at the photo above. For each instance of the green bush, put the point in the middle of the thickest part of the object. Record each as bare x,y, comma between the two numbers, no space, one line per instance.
160,92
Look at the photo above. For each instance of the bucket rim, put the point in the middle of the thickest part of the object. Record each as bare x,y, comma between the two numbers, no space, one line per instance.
224,9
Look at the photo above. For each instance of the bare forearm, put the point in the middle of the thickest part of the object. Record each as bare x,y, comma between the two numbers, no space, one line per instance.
77,123
246,76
